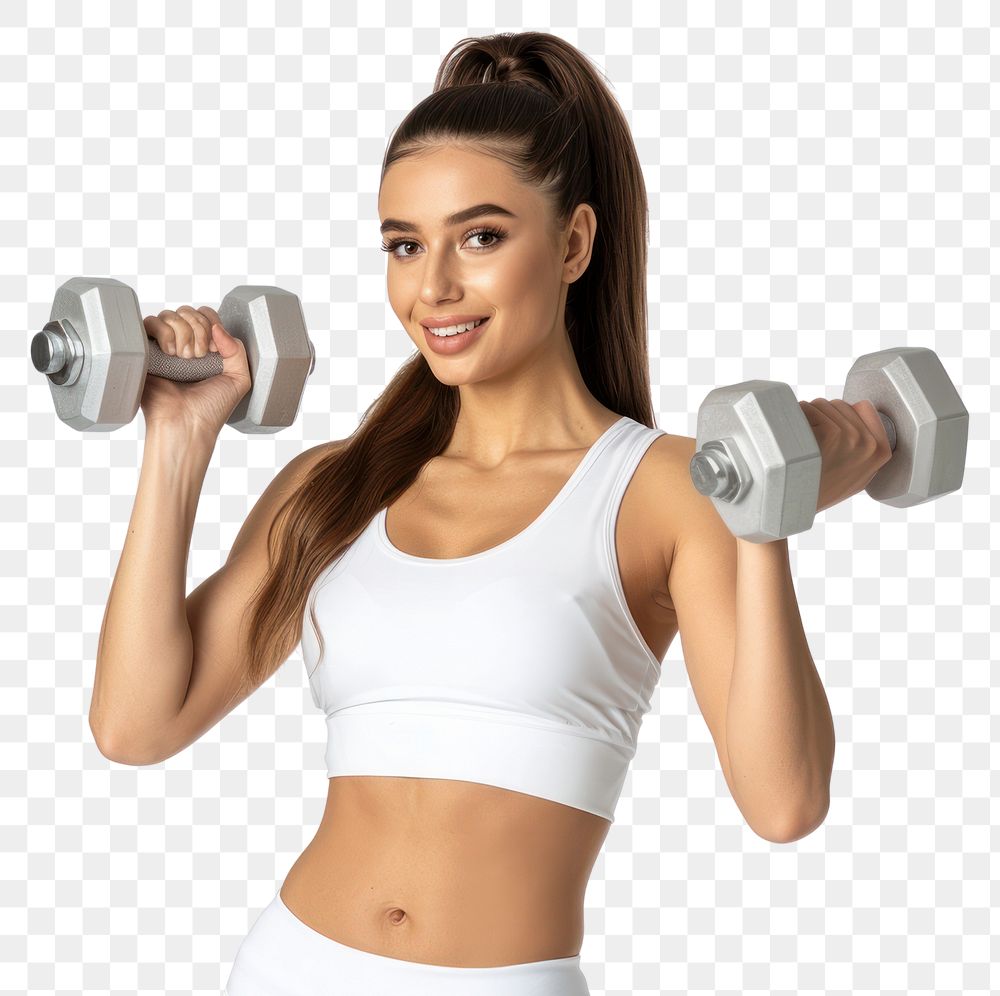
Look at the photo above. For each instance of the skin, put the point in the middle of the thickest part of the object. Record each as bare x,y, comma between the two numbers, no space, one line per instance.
519,384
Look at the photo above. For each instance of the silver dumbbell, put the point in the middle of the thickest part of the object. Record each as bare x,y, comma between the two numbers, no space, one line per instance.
96,355
759,462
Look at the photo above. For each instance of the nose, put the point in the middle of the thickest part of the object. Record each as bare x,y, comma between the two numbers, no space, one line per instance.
439,281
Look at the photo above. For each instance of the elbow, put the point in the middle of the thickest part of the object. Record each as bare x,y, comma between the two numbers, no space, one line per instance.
121,752
795,826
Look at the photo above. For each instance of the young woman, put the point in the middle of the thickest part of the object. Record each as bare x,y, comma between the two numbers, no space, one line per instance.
493,566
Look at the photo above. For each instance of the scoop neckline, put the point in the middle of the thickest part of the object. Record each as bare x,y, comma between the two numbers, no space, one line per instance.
571,481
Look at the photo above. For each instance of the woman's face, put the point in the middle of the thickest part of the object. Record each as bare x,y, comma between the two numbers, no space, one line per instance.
513,267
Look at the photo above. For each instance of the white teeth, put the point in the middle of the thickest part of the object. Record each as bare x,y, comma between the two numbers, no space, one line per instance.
455,329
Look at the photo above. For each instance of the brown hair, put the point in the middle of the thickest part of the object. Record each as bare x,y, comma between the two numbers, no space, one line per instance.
539,105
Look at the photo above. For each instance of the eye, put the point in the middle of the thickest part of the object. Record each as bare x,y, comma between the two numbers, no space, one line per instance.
496,234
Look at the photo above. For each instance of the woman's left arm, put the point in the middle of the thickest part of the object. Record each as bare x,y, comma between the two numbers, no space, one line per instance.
779,728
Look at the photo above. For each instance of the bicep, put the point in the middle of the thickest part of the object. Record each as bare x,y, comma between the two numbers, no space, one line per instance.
702,588
216,609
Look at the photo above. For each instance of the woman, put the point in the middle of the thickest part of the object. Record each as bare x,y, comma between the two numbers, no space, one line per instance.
487,562
443,861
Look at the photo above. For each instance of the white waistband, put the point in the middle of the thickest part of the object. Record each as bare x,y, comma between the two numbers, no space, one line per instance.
427,739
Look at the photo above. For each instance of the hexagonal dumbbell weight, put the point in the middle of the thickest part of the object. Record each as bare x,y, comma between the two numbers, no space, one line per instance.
96,355
759,462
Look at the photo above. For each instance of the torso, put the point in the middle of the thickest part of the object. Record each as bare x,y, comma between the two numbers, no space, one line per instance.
459,873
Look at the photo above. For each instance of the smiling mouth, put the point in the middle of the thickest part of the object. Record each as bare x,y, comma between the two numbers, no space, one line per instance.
448,335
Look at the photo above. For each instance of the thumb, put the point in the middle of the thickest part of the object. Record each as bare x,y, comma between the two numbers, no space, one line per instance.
224,342
873,421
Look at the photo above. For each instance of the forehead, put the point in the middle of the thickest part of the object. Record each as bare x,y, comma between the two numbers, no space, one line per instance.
428,187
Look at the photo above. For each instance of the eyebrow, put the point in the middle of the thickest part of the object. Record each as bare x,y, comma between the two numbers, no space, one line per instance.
458,218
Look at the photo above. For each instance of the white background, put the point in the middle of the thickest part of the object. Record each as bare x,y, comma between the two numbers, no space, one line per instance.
820,186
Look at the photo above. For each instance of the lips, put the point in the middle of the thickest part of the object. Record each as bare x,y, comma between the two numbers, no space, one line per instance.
448,345
437,323
452,335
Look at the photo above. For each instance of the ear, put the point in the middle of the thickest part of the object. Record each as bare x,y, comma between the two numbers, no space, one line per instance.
581,232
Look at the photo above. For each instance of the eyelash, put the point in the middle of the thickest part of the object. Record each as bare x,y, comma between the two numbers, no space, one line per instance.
498,233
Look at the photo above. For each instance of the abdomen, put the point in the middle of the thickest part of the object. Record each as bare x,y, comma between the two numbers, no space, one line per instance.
446,872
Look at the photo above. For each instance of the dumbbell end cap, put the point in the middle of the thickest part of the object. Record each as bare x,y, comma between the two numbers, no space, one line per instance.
710,473
48,351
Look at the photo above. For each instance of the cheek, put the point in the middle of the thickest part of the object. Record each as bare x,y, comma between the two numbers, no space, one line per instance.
513,279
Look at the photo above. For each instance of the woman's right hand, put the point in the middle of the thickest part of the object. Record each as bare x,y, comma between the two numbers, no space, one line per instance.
205,405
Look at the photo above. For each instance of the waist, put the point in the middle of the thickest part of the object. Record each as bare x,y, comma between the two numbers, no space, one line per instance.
559,762
446,872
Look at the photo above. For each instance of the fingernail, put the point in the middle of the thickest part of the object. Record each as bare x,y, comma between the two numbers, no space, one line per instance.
170,349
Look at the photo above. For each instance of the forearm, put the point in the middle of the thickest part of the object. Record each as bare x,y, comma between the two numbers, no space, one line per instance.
779,730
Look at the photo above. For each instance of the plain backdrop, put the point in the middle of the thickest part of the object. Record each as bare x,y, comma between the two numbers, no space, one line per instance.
821,184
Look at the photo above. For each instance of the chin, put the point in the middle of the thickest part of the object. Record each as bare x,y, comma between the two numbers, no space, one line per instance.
449,381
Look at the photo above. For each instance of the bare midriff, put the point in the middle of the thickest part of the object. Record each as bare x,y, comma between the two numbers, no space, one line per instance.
446,872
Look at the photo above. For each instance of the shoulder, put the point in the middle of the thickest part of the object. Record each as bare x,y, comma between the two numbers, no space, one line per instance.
309,459
674,513
663,476
702,550
658,498
299,471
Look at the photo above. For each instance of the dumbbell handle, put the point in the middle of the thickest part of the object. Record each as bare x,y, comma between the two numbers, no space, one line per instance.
57,345
714,474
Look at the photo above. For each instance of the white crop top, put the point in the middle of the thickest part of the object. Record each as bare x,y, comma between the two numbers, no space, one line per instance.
519,666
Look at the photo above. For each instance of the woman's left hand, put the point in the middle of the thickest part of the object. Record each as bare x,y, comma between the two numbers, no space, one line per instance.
853,446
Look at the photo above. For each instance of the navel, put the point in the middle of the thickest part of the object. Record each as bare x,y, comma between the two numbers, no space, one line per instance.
396,916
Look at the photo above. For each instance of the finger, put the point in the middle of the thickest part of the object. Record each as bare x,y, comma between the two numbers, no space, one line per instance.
814,416
867,414
857,425
832,413
184,335
849,416
212,315
823,413
213,319
163,333
202,328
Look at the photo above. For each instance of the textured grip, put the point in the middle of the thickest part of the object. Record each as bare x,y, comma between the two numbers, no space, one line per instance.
181,368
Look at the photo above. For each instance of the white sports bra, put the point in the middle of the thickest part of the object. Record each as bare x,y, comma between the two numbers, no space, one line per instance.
519,666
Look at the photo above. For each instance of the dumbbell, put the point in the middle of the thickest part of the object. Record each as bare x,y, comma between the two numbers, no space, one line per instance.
759,462
96,355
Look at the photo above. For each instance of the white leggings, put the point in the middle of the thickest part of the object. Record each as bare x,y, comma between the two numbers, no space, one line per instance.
283,956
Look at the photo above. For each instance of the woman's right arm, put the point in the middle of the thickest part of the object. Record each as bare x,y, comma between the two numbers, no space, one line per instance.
168,667
145,649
